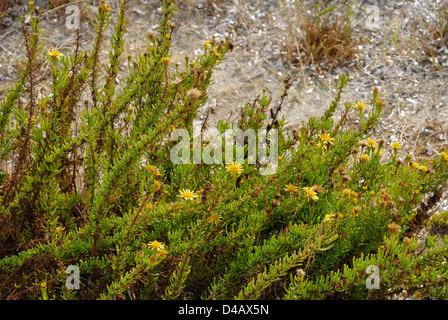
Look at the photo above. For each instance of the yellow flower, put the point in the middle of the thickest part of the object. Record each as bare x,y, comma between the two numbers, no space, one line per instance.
154,170
376,151
157,184
235,169
59,229
150,168
379,102
104,7
216,53
214,219
360,106
346,192
55,53
364,187
414,164
354,193
43,285
207,44
396,145
166,60
364,158
371,143
291,188
326,138
156,245
444,156
163,252
422,168
311,194
167,36
187,194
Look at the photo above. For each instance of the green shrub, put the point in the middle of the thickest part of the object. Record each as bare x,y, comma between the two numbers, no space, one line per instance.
97,189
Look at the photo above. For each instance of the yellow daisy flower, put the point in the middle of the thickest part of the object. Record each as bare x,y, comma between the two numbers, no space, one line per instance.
371,143
326,138
396,145
55,53
361,106
364,158
346,192
235,169
156,245
311,194
187,194
444,156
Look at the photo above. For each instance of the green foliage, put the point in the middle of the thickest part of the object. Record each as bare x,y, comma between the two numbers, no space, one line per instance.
96,188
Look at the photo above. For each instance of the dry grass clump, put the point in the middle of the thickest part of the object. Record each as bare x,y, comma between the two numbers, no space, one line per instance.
325,36
436,45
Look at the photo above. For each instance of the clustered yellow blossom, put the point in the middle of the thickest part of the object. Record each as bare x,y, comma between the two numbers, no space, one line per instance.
379,102
396,145
419,167
346,192
330,217
104,6
291,188
153,170
444,156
